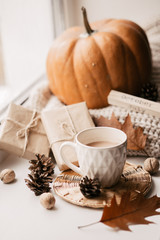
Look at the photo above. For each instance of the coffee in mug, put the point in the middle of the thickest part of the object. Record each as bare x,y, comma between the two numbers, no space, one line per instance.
101,153
102,144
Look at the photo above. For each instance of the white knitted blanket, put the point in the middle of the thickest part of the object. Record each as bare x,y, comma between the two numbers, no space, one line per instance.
153,33
41,99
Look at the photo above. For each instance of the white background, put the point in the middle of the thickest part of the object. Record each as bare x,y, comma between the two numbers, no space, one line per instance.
23,218
26,34
139,11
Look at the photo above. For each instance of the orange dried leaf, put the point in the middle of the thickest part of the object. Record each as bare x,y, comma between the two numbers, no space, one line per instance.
112,122
130,211
136,140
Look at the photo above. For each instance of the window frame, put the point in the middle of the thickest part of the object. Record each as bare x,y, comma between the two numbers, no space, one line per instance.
59,24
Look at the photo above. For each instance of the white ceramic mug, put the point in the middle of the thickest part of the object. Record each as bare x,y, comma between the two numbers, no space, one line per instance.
101,153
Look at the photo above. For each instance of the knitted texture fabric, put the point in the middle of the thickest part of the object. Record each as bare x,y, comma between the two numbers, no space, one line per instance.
153,33
150,125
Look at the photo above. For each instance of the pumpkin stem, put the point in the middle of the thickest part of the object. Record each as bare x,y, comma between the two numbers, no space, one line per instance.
86,23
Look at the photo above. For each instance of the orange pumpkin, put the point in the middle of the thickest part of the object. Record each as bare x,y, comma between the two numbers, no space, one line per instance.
86,66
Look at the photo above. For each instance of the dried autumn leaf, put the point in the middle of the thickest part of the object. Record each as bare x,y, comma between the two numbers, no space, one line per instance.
105,122
136,140
129,211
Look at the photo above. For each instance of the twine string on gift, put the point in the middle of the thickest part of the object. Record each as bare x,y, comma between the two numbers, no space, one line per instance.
71,121
24,131
67,128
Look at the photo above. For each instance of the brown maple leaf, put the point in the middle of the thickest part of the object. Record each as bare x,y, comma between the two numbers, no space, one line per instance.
129,211
105,122
136,140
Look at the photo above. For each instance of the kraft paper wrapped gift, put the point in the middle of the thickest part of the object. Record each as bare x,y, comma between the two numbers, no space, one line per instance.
22,133
62,124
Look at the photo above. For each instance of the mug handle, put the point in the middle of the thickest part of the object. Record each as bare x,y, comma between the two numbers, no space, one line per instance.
67,162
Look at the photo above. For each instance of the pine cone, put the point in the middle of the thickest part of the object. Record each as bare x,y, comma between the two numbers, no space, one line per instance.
149,91
90,188
42,171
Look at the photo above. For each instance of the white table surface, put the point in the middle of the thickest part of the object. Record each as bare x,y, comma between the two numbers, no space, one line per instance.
23,218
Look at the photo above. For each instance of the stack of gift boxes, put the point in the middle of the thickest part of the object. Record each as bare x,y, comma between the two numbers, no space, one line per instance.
25,132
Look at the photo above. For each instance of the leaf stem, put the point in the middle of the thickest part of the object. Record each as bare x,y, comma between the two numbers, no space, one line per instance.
87,225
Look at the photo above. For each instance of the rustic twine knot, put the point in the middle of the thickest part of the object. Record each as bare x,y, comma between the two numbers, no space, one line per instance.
24,132
33,123
68,129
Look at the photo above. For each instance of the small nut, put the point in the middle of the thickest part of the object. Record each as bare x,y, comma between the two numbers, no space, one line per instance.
151,165
7,175
47,200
